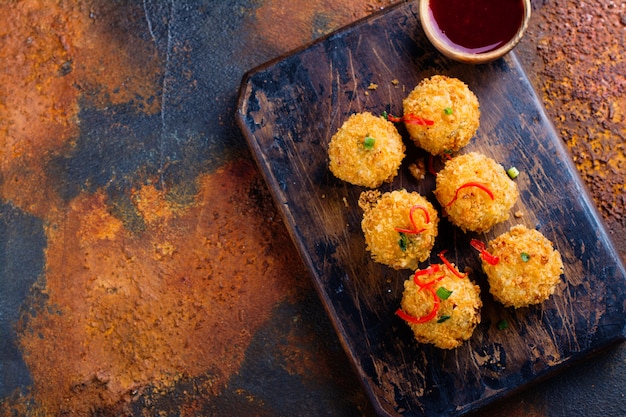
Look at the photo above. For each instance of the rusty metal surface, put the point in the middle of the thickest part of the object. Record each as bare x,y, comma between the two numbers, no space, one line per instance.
144,270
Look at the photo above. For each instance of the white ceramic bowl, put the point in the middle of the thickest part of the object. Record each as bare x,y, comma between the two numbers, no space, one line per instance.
457,54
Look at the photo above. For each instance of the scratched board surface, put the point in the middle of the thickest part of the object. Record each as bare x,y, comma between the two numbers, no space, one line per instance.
290,108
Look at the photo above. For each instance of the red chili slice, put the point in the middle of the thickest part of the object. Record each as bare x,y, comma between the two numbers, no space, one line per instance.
418,320
431,165
471,184
486,256
449,265
411,119
415,230
428,271
416,120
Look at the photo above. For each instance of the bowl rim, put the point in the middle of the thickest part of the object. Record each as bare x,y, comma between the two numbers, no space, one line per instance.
467,57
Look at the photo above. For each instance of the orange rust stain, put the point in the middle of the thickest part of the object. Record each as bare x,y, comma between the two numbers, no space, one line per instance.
184,298
98,223
580,68
52,53
125,310
38,106
153,204
308,19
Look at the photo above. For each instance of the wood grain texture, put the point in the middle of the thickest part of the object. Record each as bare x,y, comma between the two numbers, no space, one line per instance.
288,111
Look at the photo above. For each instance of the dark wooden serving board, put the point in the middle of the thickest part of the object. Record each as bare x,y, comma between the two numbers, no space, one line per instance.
288,111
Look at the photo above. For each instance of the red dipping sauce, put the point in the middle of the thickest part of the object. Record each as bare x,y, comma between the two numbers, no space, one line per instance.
477,26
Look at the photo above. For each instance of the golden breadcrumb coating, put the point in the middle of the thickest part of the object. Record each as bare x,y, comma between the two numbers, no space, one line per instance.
456,317
390,234
528,269
367,150
452,108
463,187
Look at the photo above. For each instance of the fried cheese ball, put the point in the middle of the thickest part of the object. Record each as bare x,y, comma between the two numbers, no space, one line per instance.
450,110
475,192
400,227
441,306
367,150
527,270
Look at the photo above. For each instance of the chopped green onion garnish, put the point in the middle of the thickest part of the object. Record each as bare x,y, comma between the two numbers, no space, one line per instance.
385,115
503,324
443,318
443,293
525,257
369,142
512,172
448,110
403,242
